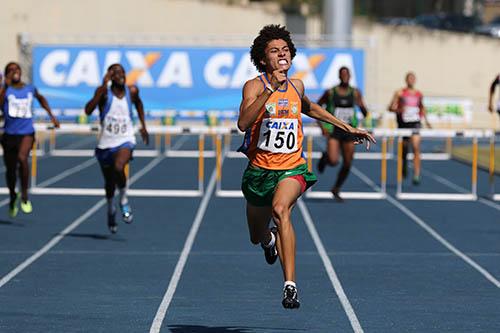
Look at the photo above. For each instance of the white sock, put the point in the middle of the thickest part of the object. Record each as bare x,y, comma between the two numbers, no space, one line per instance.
271,242
111,206
123,196
290,283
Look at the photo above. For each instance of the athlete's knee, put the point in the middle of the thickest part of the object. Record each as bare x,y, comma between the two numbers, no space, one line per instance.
281,212
333,160
119,166
22,158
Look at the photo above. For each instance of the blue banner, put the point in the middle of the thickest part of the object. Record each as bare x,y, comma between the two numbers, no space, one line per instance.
178,78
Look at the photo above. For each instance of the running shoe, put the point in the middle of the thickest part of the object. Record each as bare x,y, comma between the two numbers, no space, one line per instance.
26,207
290,298
416,180
336,195
13,206
271,253
322,163
112,226
127,216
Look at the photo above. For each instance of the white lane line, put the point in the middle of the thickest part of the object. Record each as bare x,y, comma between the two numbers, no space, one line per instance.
4,202
458,188
69,228
430,230
67,173
353,319
176,276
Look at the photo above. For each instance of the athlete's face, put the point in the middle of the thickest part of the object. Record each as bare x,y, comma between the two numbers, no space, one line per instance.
13,72
344,76
118,75
410,80
278,56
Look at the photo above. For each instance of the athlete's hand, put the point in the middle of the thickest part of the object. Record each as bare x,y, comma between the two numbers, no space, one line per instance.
278,78
56,122
108,76
360,136
490,107
144,135
8,78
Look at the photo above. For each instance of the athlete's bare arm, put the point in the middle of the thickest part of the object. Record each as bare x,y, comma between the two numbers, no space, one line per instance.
3,87
99,94
139,106
43,102
394,105
492,92
315,111
254,98
358,99
423,112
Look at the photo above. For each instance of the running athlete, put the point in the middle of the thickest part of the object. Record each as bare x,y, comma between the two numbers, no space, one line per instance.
340,101
409,108
492,92
117,138
277,174
16,100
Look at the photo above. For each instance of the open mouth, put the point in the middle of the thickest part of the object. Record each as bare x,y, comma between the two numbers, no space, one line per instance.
283,62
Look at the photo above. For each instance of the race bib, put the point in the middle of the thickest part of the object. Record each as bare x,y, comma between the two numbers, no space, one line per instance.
117,126
20,107
344,114
278,135
411,114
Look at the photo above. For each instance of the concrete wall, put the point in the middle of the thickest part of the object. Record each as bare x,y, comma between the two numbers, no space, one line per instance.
127,17
446,64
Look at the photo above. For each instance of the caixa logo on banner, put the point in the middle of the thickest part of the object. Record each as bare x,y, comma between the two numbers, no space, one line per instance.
179,78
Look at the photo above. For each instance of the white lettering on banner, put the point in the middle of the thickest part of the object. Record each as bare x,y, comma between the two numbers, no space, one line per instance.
222,70
177,71
213,73
84,70
244,72
331,77
138,62
50,70
301,64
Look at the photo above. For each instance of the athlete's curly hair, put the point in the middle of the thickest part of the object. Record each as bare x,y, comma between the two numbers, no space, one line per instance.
267,34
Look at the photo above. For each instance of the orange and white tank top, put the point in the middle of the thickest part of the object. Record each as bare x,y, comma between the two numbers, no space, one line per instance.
275,140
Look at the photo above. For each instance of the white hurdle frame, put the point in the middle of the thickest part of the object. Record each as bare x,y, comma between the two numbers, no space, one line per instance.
87,128
474,134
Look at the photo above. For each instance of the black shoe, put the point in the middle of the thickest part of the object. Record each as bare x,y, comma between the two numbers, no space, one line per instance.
290,298
271,253
112,226
336,195
322,163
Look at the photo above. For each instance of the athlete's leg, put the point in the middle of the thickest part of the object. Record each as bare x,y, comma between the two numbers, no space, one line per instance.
121,158
415,143
258,219
10,161
285,196
347,157
109,186
333,151
405,154
22,157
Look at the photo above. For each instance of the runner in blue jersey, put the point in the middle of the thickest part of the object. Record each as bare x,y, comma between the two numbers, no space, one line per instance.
117,138
16,102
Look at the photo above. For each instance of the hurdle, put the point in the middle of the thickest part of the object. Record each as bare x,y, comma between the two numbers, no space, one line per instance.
491,169
424,133
71,128
382,156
